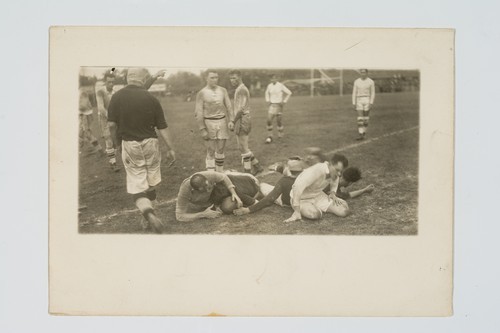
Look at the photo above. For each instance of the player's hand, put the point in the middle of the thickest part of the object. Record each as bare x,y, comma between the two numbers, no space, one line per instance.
211,214
236,198
204,134
230,126
171,154
369,188
241,211
295,217
160,73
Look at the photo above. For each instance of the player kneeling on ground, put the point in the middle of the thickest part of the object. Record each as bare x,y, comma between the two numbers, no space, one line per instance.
194,200
307,196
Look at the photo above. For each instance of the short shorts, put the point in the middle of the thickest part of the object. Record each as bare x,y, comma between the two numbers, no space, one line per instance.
363,103
217,129
142,164
322,201
275,109
244,125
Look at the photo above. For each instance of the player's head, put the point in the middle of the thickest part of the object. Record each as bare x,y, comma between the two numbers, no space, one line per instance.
314,155
349,175
363,73
274,78
137,76
235,77
200,183
339,163
295,166
212,78
109,80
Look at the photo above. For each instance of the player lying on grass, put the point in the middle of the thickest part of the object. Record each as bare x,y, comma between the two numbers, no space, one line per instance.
194,199
307,197
280,193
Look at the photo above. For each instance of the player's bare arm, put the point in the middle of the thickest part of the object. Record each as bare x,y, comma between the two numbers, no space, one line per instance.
167,138
198,112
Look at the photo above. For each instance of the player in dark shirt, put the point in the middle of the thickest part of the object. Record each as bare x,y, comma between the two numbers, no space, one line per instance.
135,115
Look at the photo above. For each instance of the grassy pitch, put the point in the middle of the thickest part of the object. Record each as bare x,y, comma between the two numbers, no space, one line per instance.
388,158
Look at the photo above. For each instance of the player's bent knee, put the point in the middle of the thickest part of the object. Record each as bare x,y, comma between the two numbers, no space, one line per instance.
311,212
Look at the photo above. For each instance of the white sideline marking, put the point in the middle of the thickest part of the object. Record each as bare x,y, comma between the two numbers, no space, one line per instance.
354,145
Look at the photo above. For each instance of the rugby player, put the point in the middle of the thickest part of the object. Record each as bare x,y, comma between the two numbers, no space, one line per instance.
103,96
241,124
213,107
363,96
277,95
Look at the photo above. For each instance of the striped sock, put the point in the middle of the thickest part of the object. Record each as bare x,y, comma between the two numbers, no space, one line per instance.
247,161
219,162
111,155
210,163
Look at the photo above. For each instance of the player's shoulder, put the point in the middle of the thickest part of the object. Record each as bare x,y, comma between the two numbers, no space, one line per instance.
223,89
370,80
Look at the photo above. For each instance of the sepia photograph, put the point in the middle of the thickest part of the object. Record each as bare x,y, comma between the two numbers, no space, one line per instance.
305,151
251,171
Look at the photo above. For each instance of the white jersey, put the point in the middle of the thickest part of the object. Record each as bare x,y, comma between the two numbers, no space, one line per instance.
363,88
275,92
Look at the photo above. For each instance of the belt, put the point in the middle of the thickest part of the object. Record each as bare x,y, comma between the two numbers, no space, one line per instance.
211,118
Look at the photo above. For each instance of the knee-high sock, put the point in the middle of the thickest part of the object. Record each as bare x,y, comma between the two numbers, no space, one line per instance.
111,155
247,161
361,123
219,162
281,129
210,163
365,122
253,159
269,130
144,205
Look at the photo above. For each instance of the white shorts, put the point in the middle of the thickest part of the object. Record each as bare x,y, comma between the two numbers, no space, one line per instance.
322,201
217,129
265,189
275,109
363,103
142,164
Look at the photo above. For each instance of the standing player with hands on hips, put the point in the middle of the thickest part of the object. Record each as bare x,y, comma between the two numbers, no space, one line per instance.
213,107
135,116
277,95
363,96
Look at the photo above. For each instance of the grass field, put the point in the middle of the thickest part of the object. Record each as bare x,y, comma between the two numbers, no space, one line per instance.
389,161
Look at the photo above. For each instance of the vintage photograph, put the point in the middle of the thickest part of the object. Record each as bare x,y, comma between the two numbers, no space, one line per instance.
257,151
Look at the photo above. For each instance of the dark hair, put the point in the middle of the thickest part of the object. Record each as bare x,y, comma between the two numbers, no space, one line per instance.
351,174
363,69
340,158
211,70
235,72
273,75
197,181
109,74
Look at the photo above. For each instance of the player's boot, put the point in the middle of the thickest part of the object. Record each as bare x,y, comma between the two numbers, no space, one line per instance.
269,139
114,167
256,169
360,137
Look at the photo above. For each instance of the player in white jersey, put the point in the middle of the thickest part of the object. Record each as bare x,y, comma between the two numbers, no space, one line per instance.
103,96
277,95
363,96
213,107
242,122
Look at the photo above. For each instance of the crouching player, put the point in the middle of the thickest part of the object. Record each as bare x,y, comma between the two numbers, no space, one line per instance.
194,200
246,186
307,196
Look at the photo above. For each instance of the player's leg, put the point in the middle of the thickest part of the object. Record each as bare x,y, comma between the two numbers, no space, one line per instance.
265,189
310,211
246,154
219,155
210,158
270,117
279,121
341,209
106,135
361,123
366,119
137,182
